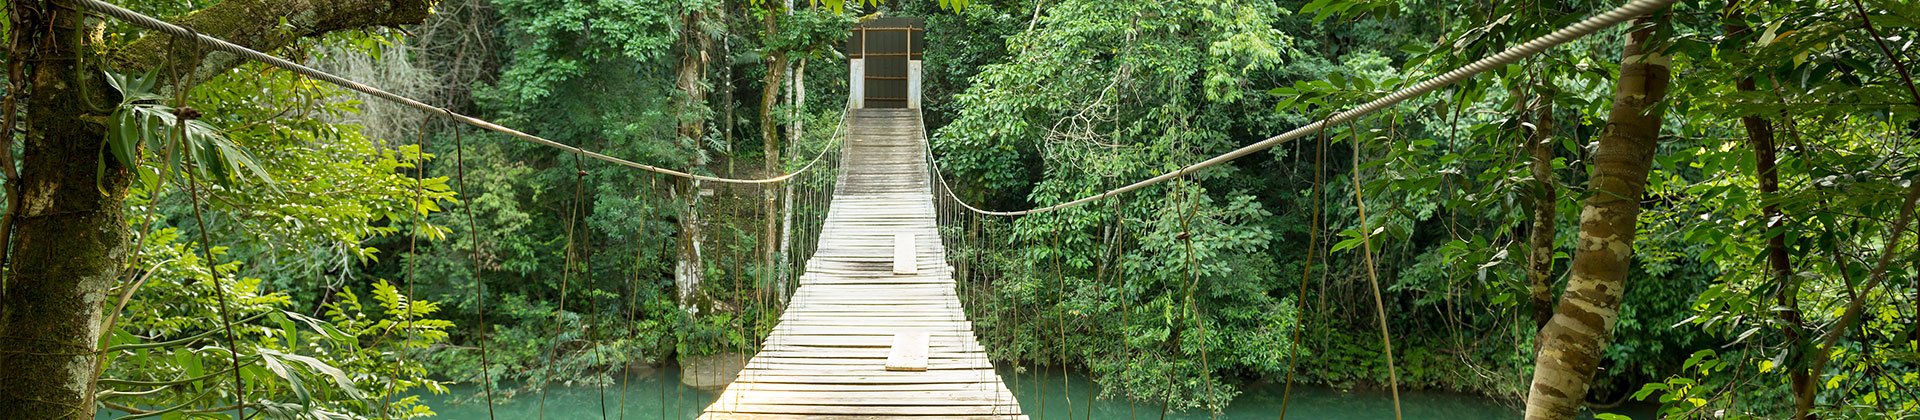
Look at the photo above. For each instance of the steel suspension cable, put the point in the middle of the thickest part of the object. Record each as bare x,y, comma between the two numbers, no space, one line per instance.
1120,274
633,301
1060,316
593,302
1306,272
566,276
177,31
1373,279
1564,35
194,191
1193,283
413,242
479,287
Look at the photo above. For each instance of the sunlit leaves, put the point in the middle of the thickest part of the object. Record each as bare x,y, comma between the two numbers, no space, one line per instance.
186,143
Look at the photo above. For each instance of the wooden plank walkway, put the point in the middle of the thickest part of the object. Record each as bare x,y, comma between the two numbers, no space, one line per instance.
827,358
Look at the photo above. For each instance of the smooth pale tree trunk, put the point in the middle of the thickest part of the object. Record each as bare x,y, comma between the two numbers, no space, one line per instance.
690,77
1571,345
1545,199
799,98
71,234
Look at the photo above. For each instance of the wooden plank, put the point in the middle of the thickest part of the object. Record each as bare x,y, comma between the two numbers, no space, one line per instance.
796,363
750,386
873,379
763,416
839,410
877,296
909,352
904,259
880,399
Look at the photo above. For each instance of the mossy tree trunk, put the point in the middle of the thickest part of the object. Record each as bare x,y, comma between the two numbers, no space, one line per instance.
1539,146
770,128
1572,343
71,235
690,78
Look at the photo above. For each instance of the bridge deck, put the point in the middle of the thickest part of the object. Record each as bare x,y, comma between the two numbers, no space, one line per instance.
827,357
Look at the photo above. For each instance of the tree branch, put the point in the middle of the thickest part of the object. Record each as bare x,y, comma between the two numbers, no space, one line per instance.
264,25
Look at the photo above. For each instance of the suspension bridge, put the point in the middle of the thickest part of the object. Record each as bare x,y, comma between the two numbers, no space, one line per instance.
876,328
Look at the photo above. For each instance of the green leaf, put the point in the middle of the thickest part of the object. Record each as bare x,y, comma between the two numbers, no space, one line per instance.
338,377
272,360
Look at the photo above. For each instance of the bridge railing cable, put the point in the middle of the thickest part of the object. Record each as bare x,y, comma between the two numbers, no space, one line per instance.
1589,26
177,31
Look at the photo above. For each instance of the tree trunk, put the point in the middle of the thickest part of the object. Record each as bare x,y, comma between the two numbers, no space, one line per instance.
1546,197
1779,264
1582,324
770,131
71,234
71,237
799,98
690,77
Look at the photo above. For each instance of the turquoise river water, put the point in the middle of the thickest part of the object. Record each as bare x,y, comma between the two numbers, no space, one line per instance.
646,398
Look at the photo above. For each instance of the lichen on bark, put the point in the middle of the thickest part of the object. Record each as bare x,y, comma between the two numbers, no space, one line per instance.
1572,342
71,235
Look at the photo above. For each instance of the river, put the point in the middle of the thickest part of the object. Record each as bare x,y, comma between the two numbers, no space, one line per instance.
645,398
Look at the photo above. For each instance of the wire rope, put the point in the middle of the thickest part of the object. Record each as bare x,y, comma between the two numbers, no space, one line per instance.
194,191
1366,251
219,292
1575,31
593,300
1564,35
1060,316
1532,47
170,29
566,276
1126,308
1193,283
413,242
1306,272
479,287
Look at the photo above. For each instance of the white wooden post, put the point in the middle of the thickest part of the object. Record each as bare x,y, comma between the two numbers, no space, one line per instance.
913,84
856,83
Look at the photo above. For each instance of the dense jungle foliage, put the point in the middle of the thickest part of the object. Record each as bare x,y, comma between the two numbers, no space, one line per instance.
283,246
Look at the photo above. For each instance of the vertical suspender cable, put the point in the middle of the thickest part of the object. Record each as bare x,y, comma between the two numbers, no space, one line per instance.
593,300
1126,299
1306,271
1366,248
633,300
206,251
220,293
413,243
566,276
479,286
